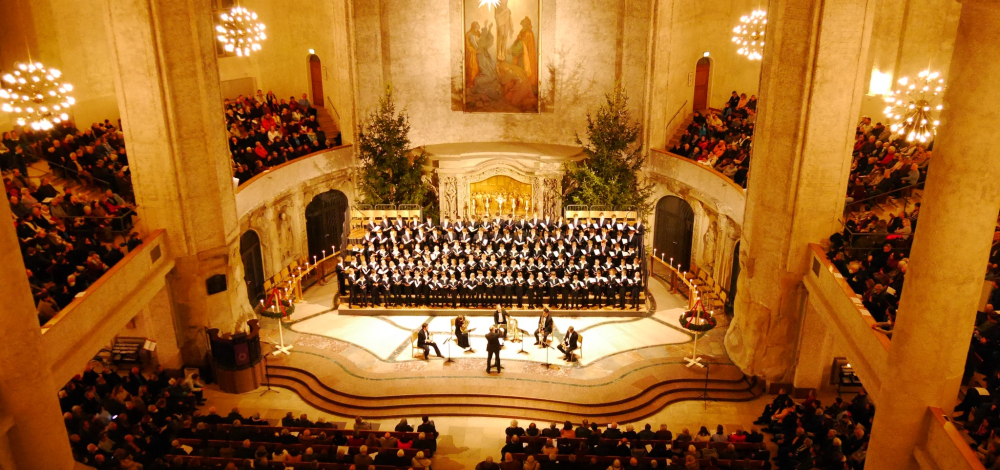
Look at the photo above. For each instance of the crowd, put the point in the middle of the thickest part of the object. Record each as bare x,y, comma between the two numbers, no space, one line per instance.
265,131
811,436
479,264
884,163
67,239
588,447
152,421
722,142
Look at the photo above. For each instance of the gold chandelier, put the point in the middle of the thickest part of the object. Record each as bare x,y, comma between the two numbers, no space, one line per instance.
749,35
34,96
240,31
910,106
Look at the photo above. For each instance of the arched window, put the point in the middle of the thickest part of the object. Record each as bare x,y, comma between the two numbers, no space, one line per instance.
253,266
325,218
674,230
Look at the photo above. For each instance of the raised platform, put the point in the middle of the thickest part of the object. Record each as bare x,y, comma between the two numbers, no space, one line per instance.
482,312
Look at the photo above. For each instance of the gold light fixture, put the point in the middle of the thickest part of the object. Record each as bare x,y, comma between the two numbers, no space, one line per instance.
240,32
34,96
910,106
749,35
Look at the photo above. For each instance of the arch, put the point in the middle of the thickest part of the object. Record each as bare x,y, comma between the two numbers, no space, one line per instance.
674,230
733,277
316,81
253,266
702,76
326,216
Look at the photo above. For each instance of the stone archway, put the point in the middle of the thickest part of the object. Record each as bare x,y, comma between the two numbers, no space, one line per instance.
326,218
674,230
253,266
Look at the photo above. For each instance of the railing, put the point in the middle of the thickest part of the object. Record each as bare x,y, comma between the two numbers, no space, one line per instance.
279,179
945,448
883,196
671,121
709,169
117,225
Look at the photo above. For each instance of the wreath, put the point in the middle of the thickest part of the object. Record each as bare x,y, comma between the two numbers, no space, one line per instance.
690,318
271,311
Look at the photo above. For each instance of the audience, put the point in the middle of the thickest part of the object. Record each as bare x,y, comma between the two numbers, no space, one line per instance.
68,239
722,142
265,132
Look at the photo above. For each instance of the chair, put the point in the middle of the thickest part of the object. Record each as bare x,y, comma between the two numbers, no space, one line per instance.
579,345
413,344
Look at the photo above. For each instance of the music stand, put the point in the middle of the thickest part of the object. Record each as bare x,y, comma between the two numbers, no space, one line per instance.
522,351
547,364
449,360
704,394
267,375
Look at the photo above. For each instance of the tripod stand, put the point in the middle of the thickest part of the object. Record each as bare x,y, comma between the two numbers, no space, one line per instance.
449,360
704,394
267,375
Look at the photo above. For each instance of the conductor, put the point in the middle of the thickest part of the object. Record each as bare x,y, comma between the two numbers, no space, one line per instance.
425,342
544,327
493,348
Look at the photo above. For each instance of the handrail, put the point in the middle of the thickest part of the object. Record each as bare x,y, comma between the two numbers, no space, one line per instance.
706,168
859,201
671,121
51,164
334,108
942,423
855,299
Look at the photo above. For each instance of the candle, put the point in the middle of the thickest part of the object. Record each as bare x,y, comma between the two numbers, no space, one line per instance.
314,259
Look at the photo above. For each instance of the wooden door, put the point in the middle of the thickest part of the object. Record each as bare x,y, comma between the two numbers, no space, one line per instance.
674,230
253,266
326,217
701,77
316,78
733,278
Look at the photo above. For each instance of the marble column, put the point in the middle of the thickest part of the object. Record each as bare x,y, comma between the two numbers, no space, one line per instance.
167,80
811,85
27,395
950,250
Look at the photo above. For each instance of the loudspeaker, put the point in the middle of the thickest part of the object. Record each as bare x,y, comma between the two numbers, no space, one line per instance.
216,284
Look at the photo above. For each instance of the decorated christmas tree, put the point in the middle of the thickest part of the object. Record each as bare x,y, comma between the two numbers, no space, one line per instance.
391,172
609,175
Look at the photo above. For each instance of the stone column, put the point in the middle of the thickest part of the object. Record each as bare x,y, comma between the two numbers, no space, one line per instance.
27,391
167,81
811,85
950,250
813,358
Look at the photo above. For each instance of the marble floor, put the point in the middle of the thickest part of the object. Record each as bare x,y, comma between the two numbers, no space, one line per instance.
380,341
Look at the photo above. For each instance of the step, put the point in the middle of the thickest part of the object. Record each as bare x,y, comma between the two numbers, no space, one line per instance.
645,404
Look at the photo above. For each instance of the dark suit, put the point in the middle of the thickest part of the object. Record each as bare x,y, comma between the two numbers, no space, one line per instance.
544,328
422,343
493,349
569,344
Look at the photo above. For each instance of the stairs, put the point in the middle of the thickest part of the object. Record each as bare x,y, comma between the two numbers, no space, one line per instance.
40,169
510,400
327,123
684,125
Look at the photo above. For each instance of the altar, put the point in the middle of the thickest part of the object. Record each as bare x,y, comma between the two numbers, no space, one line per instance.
500,178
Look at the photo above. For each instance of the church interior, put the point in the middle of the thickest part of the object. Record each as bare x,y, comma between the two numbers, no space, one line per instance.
250,234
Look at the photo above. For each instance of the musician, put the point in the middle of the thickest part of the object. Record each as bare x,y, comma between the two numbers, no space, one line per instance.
493,349
462,331
569,344
544,327
425,342
500,319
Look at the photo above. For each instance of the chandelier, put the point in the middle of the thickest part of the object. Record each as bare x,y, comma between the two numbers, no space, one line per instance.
749,34
34,96
240,31
910,106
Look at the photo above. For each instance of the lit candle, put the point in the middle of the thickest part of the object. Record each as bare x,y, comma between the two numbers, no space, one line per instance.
314,259
324,254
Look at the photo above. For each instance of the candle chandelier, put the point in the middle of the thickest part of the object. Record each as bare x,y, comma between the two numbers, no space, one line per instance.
749,35
240,32
910,107
34,96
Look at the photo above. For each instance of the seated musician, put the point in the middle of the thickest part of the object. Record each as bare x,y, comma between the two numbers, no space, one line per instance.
426,342
462,331
569,344
500,319
544,327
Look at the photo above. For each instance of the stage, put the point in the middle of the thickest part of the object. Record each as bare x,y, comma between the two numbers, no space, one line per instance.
629,366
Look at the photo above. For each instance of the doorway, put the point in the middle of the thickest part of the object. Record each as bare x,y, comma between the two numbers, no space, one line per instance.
316,79
674,230
326,215
701,76
733,277
253,266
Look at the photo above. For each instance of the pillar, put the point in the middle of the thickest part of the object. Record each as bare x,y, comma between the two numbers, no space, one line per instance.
167,81
811,85
814,357
950,250
27,394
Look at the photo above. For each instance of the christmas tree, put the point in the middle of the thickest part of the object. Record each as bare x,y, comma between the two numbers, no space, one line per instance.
609,175
390,172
